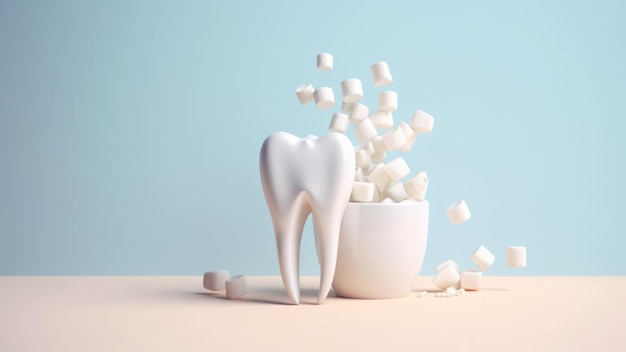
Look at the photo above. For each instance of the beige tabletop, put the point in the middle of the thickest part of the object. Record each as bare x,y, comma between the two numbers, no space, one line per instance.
176,314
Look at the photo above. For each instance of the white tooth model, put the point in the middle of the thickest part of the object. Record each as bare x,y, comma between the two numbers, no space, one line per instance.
300,177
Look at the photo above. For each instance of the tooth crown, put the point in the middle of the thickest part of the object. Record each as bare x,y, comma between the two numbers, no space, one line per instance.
301,165
303,176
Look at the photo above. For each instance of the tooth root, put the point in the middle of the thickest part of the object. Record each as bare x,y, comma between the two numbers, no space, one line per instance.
327,238
326,229
288,246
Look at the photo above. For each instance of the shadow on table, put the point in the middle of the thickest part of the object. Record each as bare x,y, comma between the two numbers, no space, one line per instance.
264,295
278,296
431,290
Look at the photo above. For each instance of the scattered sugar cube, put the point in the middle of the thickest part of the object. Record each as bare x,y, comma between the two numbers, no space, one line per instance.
236,287
446,277
305,93
483,258
359,113
422,122
339,123
397,169
416,187
394,139
458,212
409,135
352,90
380,178
324,97
516,257
471,280
324,61
381,74
378,144
365,131
362,192
388,101
215,280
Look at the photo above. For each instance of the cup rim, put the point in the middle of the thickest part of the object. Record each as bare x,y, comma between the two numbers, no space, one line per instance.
368,204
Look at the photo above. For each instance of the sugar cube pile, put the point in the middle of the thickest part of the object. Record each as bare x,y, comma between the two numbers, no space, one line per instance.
376,133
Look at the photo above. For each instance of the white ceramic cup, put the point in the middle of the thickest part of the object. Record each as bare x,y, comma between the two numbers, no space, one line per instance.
381,249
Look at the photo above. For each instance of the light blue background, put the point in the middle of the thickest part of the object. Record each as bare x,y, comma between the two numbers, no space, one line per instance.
130,130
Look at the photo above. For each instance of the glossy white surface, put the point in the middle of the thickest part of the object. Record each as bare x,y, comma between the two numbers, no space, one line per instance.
300,177
381,249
